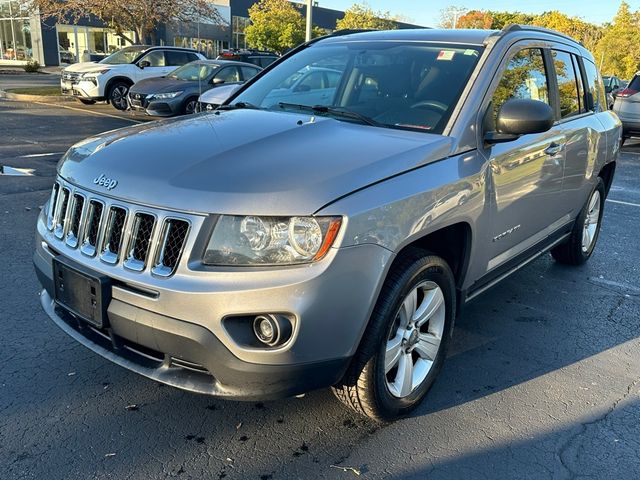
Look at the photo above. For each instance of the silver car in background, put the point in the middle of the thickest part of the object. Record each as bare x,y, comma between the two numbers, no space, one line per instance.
330,236
627,107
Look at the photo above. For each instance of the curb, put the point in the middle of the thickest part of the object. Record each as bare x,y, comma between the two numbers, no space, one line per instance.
20,97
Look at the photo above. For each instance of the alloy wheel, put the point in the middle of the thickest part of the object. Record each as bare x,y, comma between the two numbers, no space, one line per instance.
591,222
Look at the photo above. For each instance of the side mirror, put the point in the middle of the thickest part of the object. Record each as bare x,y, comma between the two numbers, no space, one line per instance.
218,81
302,88
520,117
144,64
608,89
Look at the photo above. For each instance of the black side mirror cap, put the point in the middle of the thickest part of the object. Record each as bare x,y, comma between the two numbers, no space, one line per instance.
519,117
144,64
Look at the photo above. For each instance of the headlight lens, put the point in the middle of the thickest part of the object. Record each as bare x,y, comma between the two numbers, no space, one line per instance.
164,96
252,240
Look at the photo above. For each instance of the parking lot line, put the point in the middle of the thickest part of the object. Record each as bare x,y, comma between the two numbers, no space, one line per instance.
89,112
623,203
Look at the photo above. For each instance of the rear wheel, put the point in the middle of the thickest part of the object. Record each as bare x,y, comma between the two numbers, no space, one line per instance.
580,245
118,95
405,344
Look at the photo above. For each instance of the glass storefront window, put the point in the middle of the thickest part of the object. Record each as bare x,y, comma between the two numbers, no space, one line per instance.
15,32
239,25
79,44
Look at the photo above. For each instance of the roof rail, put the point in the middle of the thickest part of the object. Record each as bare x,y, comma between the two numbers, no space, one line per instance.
517,28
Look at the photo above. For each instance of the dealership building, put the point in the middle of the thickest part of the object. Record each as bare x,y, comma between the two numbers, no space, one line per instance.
25,35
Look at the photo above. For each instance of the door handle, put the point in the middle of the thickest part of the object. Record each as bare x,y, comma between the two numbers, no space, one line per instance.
553,149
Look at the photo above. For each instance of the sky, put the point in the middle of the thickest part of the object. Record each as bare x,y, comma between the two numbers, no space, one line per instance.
427,12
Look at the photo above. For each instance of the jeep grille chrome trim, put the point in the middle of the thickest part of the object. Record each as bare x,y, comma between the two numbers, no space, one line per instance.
140,241
172,240
136,237
112,242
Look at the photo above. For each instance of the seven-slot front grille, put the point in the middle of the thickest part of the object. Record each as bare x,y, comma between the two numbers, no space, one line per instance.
71,76
116,233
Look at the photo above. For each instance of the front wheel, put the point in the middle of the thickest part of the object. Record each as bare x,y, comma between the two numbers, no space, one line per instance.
577,249
118,95
190,106
405,344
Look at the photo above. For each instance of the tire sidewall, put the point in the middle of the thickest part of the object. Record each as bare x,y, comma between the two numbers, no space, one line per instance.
583,215
112,88
428,268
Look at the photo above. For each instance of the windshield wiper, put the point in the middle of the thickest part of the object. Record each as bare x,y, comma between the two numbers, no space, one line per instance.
334,111
239,105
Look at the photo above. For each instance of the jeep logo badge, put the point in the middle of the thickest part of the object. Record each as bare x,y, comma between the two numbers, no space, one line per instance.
105,182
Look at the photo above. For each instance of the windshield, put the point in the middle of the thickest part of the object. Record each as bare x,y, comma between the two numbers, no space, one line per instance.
192,72
391,84
126,55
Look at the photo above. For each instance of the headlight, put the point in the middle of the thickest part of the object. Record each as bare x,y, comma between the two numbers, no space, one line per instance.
164,96
255,240
93,75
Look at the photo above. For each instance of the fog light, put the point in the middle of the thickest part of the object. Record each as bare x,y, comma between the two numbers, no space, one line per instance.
267,330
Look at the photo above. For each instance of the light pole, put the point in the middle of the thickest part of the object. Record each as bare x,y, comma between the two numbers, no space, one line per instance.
309,19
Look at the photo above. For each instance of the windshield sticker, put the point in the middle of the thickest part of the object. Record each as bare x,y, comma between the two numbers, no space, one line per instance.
471,51
446,55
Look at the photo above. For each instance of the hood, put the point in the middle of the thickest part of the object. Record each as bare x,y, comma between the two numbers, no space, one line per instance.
166,84
85,67
250,162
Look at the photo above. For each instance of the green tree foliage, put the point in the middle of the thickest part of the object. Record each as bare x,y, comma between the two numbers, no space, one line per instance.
618,50
475,19
276,25
361,16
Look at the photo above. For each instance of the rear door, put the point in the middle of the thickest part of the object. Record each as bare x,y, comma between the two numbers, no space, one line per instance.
526,174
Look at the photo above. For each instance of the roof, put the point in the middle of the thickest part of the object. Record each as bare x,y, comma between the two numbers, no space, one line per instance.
226,62
466,36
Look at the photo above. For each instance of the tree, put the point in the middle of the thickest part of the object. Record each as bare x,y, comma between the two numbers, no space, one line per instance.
503,19
276,25
449,16
475,19
138,16
584,32
618,51
361,16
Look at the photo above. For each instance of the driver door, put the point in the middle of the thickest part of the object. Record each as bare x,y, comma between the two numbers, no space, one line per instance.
158,65
526,174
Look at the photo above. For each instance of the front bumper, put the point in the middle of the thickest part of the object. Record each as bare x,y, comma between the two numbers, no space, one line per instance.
157,108
186,350
81,89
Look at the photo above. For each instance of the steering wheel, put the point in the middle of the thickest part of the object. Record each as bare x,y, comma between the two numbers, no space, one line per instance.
431,105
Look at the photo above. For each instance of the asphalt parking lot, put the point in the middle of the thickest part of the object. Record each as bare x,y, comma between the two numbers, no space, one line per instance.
542,380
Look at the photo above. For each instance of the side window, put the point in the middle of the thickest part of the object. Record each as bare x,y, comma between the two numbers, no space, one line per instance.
333,78
177,58
581,94
248,73
192,57
567,84
266,61
155,58
229,74
595,88
525,78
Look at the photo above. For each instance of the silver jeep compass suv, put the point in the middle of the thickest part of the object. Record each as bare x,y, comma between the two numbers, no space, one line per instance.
326,232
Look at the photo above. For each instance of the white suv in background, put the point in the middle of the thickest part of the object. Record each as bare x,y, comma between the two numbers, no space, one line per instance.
111,78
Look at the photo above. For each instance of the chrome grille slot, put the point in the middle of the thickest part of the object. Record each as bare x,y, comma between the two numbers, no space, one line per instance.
91,230
75,219
172,240
140,242
113,235
52,205
61,213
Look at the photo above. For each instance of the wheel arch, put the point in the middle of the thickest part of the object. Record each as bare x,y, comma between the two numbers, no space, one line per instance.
607,173
120,78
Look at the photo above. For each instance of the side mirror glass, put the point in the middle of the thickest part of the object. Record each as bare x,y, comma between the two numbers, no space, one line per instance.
218,81
519,117
144,64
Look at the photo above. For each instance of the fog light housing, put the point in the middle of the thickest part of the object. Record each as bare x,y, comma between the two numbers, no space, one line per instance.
267,329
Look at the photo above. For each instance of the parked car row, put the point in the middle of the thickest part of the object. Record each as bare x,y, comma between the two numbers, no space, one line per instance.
166,81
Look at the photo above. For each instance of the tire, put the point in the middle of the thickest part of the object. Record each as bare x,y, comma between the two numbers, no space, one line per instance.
84,101
577,249
372,385
118,95
190,105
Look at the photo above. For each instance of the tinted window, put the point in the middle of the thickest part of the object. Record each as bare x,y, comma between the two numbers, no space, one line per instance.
155,58
177,58
229,74
567,84
524,78
248,72
266,61
576,68
595,88
635,83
